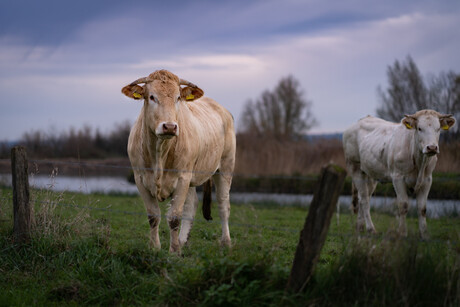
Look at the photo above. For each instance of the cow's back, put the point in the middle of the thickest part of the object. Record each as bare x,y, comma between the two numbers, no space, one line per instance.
368,144
206,135
356,133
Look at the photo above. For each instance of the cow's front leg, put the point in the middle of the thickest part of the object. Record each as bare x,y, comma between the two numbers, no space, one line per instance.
365,185
190,206
422,195
153,212
175,211
402,201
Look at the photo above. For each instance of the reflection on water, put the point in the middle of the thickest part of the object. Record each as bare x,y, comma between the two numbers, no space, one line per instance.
435,208
78,184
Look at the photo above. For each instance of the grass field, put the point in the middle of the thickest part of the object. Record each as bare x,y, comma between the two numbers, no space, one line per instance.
80,255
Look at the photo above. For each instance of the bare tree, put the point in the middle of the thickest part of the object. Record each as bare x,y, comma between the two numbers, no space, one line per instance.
444,92
408,92
281,113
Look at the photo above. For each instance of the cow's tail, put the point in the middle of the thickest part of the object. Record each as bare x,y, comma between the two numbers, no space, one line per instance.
207,199
354,198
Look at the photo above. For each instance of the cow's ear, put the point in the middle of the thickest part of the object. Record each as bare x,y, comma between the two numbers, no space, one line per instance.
191,93
133,91
446,121
409,121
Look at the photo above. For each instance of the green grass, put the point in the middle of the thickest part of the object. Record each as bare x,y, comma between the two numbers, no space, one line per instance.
82,256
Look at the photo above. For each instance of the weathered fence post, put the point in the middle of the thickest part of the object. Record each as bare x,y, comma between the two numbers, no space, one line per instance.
316,226
21,202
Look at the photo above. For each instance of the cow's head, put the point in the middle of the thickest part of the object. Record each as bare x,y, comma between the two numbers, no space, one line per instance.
427,125
162,94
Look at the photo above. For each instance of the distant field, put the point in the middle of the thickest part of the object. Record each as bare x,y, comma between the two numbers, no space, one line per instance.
92,249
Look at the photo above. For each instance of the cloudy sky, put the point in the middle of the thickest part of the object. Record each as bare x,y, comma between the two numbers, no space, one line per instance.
63,63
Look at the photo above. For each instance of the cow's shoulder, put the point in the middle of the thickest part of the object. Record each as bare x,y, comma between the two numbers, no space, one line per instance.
136,153
206,109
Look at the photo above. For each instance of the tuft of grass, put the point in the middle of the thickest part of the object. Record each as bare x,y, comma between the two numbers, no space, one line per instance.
390,272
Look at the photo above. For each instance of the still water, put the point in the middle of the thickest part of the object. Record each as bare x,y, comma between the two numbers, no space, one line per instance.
435,208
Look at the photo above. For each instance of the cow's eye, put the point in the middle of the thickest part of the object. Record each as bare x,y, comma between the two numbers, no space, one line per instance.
152,98
178,98
420,129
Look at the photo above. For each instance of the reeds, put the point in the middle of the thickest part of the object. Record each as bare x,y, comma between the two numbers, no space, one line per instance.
259,156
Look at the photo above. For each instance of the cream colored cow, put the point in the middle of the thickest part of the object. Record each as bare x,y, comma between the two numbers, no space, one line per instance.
179,141
404,153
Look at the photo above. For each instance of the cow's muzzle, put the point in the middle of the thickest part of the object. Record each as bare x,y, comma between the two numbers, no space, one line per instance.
431,150
167,130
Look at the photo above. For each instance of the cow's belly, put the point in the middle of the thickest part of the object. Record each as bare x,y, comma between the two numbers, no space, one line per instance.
202,172
207,163
376,170
373,160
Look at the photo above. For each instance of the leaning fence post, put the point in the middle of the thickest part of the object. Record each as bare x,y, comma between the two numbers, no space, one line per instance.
317,223
21,202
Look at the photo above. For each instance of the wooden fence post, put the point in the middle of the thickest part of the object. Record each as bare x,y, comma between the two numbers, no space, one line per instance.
21,201
316,226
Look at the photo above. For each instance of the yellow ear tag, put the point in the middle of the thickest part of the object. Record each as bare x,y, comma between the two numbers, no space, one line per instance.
408,126
446,127
137,95
190,97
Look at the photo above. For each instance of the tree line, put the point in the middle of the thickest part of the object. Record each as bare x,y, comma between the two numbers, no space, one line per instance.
82,143
283,114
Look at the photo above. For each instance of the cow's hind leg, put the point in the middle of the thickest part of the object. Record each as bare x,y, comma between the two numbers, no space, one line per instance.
222,183
354,198
153,213
190,206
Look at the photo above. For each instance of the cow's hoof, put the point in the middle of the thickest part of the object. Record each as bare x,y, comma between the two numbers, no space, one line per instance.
155,245
226,243
424,236
183,243
174,249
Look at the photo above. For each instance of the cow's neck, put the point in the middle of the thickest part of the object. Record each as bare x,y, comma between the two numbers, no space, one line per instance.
421,163
163,149
156,151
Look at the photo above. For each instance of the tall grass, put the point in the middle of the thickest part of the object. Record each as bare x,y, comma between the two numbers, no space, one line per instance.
254,156
258,156
449,158
390,273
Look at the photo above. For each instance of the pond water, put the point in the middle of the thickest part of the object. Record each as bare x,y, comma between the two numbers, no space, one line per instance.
435,208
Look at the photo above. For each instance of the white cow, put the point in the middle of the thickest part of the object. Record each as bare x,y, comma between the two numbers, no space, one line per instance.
404,153
179,141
